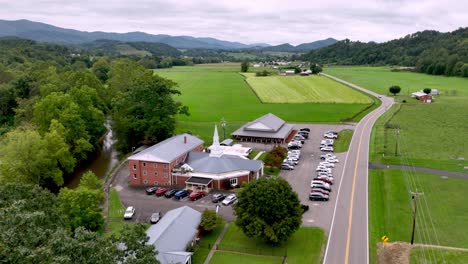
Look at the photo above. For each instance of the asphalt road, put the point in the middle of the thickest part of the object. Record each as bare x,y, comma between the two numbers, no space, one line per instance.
348,236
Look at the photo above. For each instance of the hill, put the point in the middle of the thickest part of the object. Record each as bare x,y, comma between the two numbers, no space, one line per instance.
48,33
428,51
140,49
302,48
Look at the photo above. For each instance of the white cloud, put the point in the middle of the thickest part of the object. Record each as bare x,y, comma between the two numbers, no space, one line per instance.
270,21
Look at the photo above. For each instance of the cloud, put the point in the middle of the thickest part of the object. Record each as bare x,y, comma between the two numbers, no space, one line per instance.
270,21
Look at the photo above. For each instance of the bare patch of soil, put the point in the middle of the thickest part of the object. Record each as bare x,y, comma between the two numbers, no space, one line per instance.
394,253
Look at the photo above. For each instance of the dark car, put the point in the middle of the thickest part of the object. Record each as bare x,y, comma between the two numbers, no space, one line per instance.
155,217
218,197
181,194
286,166
197,195
305,129
151,190
294,147
317,196
170,193
304,134
304,208
161,191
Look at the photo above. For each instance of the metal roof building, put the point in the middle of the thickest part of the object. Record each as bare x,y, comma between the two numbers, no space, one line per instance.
173,233
266,129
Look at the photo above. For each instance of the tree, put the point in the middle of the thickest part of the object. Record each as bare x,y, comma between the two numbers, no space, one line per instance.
268,209
245,66
101,69
134,249
210,220
394,89
315,68
427,90
275,157
91,181
146,113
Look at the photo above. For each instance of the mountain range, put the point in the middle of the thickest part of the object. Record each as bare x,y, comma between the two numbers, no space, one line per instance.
48,33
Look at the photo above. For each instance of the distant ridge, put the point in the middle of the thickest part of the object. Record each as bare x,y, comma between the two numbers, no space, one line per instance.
47,33
302,48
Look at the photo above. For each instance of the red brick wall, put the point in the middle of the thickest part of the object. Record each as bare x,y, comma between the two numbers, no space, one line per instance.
158,175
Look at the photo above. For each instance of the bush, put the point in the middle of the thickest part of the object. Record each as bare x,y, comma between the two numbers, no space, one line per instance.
209,220
275,157
262,73
244,184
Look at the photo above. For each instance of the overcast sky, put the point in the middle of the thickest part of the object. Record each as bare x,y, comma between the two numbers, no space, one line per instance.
248,21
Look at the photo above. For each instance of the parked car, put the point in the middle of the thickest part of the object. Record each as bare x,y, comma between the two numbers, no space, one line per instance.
301,140
320,184
181,194
331,132
287,166
161,191
218,197
197,195
304,134
293,157
327,164
327,180
327,156
293,146
294,151
327,149
330,136
332,160
129,212
155,217
170,193
323,168
151,190
320,190
318,196
297,142
291,161
328,174
305,129
230,199
299,136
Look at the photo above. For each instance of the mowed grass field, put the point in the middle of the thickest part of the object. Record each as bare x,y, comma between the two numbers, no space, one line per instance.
431,135
419,255
305,246
304,89
213,92
442,213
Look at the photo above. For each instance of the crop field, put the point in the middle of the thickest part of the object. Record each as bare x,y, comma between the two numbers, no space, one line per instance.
214,92
442,210
304,89
431,135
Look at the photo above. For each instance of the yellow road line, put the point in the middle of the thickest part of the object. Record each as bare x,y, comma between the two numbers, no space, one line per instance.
350,218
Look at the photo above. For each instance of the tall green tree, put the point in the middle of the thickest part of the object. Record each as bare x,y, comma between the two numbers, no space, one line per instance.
135,249
145,114
210,220
394,89
245,66
268,209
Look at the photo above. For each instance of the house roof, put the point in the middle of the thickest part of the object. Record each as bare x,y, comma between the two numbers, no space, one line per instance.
282,133
266,123
174,231
168,150
202,162
173,257
418,94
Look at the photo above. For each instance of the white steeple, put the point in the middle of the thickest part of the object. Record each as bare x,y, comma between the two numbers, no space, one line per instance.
216,150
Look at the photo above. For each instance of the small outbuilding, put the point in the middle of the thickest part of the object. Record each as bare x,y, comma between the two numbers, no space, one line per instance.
289,72
426,98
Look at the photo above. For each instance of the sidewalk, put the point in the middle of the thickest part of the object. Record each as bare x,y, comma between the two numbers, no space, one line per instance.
215,246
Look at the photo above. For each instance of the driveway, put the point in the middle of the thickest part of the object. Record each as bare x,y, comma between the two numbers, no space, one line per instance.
145,204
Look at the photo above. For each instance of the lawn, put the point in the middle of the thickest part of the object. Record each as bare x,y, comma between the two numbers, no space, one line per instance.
305,246
343,140
116,212
304,89
206,243
419,255
431,135
233,258
253,154
213,92
442,210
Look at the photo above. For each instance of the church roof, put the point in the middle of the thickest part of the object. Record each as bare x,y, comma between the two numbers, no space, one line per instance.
202,162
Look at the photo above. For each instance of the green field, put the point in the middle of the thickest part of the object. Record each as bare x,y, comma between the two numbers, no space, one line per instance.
213,92
431,135
343,140
304,89
419,255
305,246
234,258
205,245
442,210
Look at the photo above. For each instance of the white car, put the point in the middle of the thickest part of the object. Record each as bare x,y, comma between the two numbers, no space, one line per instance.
327,156
293,156
324,174
332,160
291,161
129,212
327,149
230,199
296,151
327,164
327,142
330,136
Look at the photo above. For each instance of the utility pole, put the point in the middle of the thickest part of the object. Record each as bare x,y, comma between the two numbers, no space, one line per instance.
397,138
414,197
223,125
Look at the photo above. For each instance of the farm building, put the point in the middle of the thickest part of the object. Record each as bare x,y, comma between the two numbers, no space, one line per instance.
289,72
266,129
219,169
426,98
170,236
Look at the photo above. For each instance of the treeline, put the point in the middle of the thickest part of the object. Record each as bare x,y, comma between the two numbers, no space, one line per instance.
54,103
429,52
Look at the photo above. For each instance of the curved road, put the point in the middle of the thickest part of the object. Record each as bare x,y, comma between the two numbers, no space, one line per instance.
348,237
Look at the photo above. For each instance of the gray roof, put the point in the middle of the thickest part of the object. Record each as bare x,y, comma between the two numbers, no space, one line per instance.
267,123
202,162
173,257
168,150
282,133
227,142
174,231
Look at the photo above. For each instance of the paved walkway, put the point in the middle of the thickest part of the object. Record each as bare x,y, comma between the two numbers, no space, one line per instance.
258,155
215,246
419,169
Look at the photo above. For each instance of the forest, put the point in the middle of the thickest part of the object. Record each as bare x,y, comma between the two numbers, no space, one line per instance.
429,52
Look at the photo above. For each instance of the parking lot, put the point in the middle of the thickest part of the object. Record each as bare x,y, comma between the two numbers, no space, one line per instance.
319,214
